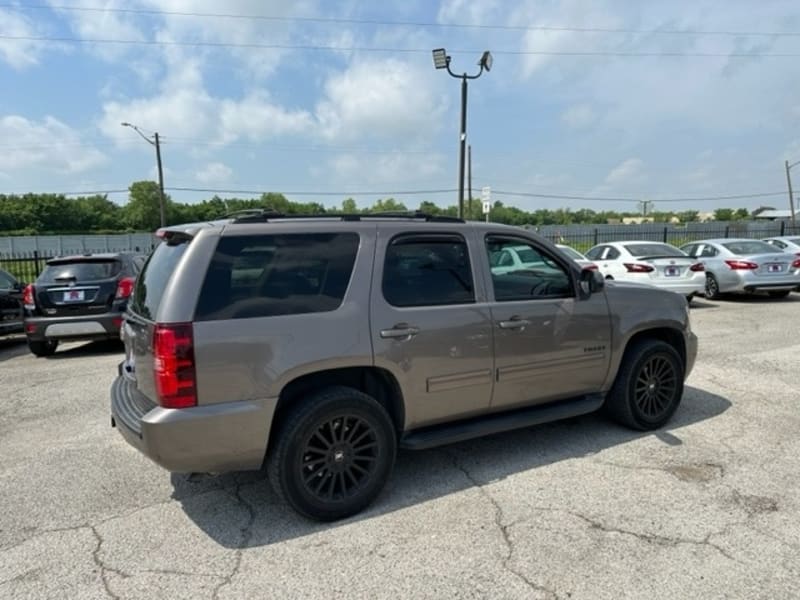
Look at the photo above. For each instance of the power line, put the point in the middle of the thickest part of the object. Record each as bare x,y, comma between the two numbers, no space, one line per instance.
350,21
327,48
628,199
308,193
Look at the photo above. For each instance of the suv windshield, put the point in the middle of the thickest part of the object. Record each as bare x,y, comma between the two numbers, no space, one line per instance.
154,277
82,270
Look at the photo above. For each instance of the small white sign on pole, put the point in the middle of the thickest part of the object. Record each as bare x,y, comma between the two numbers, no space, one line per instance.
486,198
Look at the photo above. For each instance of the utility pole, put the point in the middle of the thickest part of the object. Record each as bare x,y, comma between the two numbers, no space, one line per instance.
469,179
157,143
791,195
160,183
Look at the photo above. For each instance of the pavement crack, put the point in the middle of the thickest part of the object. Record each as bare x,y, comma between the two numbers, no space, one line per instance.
247,534
503,528
650,538
104,569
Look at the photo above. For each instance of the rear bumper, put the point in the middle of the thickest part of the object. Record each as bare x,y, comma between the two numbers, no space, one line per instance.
749,282
212,438
83,327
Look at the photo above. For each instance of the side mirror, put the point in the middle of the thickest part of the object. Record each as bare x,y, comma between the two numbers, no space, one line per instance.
592,281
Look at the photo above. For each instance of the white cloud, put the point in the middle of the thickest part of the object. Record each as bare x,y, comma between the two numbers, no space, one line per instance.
386,98
215,172
578,116
18,53
46,144
256,118
629,171
386,168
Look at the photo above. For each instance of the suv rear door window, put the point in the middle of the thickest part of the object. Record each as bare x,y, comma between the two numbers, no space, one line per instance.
428,270
80,271
270,275
153,279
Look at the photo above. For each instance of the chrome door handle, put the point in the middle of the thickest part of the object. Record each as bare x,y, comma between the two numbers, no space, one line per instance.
514,323
399,332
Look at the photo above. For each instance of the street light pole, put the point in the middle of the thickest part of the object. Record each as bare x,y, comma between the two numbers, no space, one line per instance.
442,61
791,195
155,142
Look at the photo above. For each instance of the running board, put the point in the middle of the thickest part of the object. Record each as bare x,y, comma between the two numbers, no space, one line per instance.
450,433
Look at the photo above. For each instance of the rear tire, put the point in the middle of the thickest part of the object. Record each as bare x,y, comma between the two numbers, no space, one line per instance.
781,294
689,299
45,348
333,453
712,287
648,387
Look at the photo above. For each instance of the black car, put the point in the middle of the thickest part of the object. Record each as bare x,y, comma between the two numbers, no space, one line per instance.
10,304
78,298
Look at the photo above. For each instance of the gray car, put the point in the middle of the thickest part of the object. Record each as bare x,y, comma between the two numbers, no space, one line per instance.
745,266
315,347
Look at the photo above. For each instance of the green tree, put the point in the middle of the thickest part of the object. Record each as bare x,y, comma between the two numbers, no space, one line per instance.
741,214
723,214
142,213
349,206
688,216
388,205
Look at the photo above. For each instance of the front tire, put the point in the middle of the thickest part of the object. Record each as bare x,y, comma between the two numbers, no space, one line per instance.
648,387
333,454
43,348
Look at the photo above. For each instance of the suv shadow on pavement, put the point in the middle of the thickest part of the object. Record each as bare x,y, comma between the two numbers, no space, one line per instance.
240,510
89,349
13,347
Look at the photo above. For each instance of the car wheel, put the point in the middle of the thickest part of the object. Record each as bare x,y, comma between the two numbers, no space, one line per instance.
781,294
45,348
712,287
649,386
610,277
333,454
689,298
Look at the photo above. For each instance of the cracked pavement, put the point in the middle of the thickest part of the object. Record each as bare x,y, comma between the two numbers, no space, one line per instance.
708,507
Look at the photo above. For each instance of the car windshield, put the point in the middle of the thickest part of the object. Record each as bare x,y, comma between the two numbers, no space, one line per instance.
81,270
526,255
744,248
571,252
643,250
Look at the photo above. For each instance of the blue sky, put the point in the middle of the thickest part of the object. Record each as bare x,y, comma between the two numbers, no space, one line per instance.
323,96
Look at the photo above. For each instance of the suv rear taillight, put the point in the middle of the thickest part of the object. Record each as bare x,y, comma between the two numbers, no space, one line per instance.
29,297
696,267
173,352
638,268
741,265
124,288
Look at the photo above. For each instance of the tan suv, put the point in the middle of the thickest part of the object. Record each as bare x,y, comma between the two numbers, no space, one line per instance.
317,346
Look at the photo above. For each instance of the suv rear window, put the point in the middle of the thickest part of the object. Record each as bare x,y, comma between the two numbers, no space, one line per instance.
153,279
270,275
80,270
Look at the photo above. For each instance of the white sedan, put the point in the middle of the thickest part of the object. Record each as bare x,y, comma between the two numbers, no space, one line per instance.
653,263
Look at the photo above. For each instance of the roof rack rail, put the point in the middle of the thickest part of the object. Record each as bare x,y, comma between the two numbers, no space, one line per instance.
266,215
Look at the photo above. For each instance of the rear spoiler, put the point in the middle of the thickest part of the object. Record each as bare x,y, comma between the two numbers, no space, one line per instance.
175,234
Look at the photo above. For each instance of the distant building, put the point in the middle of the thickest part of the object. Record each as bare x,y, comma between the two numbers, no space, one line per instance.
777,215
637,220
705,217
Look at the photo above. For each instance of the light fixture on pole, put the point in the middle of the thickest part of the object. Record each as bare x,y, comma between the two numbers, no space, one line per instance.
441,60
154,141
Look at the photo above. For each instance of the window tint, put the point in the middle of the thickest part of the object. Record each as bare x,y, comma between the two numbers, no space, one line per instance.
271,275
708,252
653,250
612,253
427,271
6,281
541,276
571,252
690,249
595,253
749,247
80,271
153,279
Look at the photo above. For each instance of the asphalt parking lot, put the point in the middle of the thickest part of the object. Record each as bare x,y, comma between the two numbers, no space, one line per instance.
708,507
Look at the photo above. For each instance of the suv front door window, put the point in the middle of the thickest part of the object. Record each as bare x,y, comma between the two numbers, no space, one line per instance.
548,342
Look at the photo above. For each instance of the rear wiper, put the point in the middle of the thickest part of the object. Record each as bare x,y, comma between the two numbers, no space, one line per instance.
70,278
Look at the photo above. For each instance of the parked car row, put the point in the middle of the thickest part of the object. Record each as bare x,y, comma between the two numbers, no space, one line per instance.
74,298
705,267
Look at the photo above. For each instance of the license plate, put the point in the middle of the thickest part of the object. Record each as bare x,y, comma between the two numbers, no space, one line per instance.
774,268
672,271
74,296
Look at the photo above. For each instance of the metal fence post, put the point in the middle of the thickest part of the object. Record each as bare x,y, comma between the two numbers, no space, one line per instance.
783,227
36,260
665,234
595,236
727,229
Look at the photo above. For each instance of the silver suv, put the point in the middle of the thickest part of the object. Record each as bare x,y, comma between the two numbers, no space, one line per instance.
315,347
